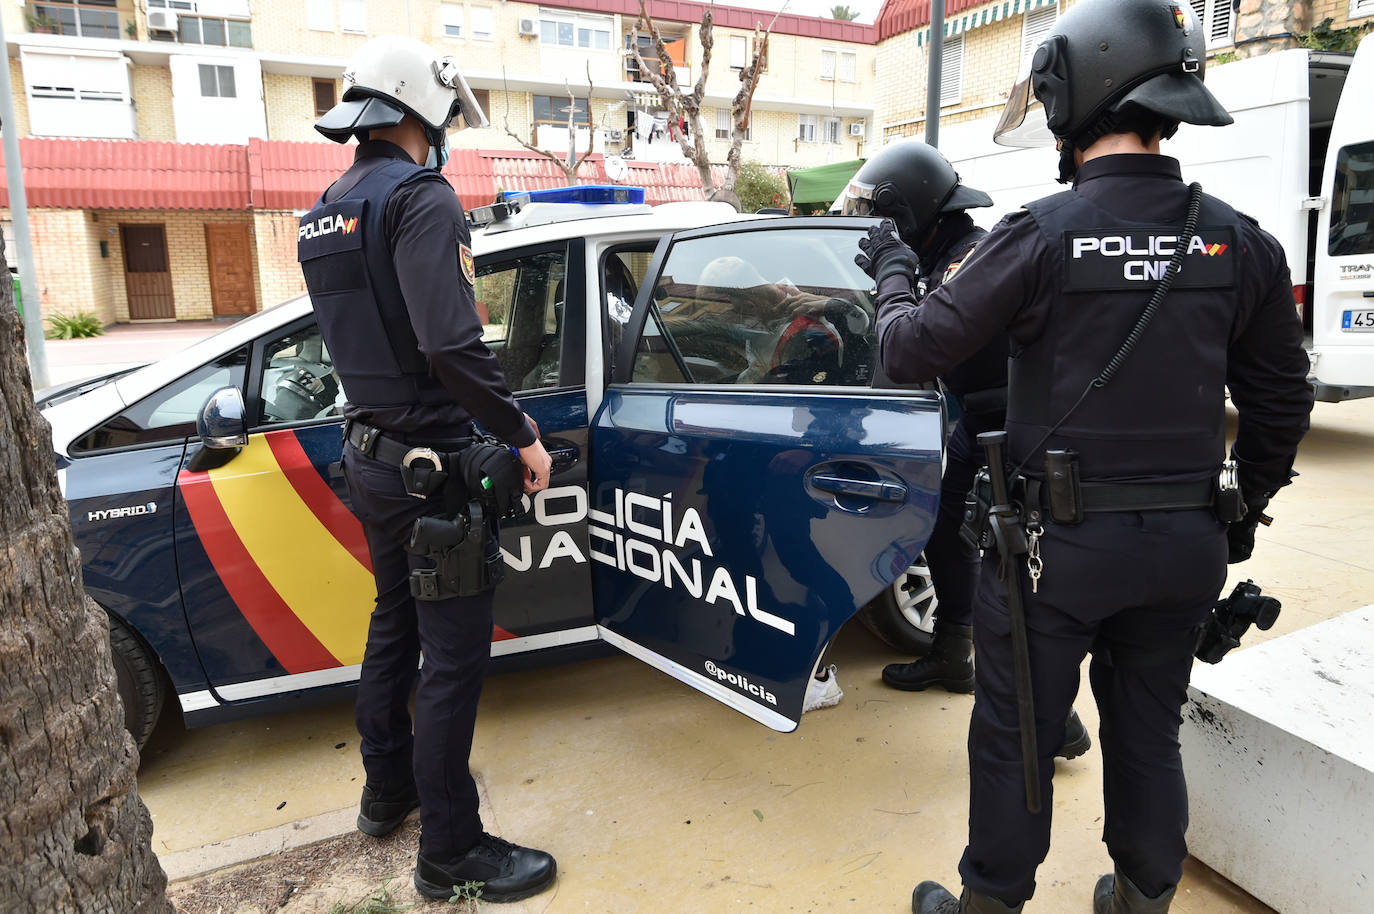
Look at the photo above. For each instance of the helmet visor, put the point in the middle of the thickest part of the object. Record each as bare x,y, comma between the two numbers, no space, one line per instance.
1023,119
447,73
858,199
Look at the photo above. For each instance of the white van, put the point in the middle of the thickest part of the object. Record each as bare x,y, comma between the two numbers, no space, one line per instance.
1299,158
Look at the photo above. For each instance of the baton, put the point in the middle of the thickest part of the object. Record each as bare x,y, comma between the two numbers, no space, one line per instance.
1010,537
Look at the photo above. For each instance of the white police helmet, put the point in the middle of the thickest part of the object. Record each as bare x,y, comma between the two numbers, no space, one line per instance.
392,76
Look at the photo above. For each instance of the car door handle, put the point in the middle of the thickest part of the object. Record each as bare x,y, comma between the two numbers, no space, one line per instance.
877,490
563,457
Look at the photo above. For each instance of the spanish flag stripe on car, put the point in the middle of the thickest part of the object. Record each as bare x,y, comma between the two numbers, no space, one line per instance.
289,640
318,496
315,575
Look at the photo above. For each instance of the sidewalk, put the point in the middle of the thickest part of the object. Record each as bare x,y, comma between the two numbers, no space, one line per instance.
123,346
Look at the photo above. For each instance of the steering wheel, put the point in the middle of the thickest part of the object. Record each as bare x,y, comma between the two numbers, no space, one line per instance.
312,393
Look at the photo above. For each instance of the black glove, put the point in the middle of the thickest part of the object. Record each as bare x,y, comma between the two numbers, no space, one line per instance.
493,474
885,254
1240,536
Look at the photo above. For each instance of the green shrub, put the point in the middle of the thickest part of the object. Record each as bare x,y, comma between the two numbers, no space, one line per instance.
758,186
74,326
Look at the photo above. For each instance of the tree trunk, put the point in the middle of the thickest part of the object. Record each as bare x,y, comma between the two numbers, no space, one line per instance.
74,835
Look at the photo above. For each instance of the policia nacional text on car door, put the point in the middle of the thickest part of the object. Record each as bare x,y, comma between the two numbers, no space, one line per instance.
749,491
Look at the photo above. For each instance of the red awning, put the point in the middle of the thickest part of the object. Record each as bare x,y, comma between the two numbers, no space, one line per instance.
898,16
283,175
125,174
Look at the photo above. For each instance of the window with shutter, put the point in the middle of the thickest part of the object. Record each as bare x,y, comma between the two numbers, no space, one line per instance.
1361,8
1037,25
739,52
849,66
1217,20
827,64
952,71
451,15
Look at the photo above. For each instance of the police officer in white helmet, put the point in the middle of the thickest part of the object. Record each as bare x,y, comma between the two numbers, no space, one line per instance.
387,259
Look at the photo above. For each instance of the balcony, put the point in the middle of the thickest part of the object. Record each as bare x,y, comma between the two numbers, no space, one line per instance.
82,20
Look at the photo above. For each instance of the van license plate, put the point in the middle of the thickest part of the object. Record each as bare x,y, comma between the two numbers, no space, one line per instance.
1357,320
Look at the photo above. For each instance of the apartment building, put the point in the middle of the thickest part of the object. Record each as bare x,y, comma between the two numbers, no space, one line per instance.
223,86
987,44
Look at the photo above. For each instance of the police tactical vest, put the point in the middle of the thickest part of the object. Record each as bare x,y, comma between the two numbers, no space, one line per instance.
984,372
346,257
1163,414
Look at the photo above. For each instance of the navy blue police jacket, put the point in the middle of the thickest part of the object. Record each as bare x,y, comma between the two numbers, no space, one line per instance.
980,380
388,261
1068,277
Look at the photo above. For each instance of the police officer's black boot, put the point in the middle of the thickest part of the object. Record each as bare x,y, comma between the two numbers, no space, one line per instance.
933,898
1117,894
507,872
1076,738
385,806
949,664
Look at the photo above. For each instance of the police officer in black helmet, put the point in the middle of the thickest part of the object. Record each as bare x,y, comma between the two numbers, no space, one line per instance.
912,184
1117,382
386,257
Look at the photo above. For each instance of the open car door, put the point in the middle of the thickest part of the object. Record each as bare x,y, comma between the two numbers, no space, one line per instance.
749,491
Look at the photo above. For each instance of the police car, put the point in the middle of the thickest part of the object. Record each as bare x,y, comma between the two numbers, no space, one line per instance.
727,488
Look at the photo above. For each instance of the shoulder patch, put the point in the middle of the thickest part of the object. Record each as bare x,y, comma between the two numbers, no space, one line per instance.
951,270
467,263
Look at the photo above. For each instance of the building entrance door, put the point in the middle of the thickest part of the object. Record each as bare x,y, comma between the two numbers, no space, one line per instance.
230,256
147,277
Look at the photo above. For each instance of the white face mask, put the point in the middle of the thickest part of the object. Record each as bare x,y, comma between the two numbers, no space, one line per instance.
438,156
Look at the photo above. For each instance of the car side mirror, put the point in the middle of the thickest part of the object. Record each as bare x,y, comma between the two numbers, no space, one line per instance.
221,424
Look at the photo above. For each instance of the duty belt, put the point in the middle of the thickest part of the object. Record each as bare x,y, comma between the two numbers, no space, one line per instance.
384,446
1101,497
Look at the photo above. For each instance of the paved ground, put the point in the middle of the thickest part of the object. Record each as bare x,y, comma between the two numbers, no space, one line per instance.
656,799
123,346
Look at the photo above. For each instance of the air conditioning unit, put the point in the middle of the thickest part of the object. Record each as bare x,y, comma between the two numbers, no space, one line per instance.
529,28
162,21
856,129
615,136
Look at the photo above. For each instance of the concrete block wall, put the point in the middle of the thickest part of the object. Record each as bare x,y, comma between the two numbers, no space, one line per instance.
992,58
67,263
277,272
21,98
290,103
152,91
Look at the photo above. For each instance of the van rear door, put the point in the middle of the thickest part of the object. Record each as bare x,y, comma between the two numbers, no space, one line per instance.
1343,278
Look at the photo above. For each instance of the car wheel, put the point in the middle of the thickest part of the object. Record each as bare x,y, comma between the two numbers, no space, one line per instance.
903,615
139,680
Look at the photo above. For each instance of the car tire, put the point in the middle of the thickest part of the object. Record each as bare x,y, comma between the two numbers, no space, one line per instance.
139,679
903,615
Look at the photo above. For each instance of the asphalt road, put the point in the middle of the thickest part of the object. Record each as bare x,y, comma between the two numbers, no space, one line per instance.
657,799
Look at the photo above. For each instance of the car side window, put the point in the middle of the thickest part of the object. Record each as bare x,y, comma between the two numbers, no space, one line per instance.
622,273
520,301
298,378
170,413
782,306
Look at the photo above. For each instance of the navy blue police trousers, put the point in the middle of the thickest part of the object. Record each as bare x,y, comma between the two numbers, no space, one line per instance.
1130,588
954,563
455,636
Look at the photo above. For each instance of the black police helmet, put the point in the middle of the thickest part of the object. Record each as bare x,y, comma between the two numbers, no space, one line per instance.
1104,56
913,185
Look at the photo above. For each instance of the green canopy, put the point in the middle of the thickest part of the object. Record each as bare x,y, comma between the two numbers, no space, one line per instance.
820,186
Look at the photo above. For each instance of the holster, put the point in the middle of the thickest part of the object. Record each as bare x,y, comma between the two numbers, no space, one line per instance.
464,546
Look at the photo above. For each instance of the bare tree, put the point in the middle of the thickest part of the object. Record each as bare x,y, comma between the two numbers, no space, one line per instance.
573,162
74,834
685,107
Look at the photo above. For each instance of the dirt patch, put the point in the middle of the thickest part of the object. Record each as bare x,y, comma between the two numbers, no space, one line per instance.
339,875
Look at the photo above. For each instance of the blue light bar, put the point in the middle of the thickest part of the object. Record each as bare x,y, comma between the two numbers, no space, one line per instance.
585,193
